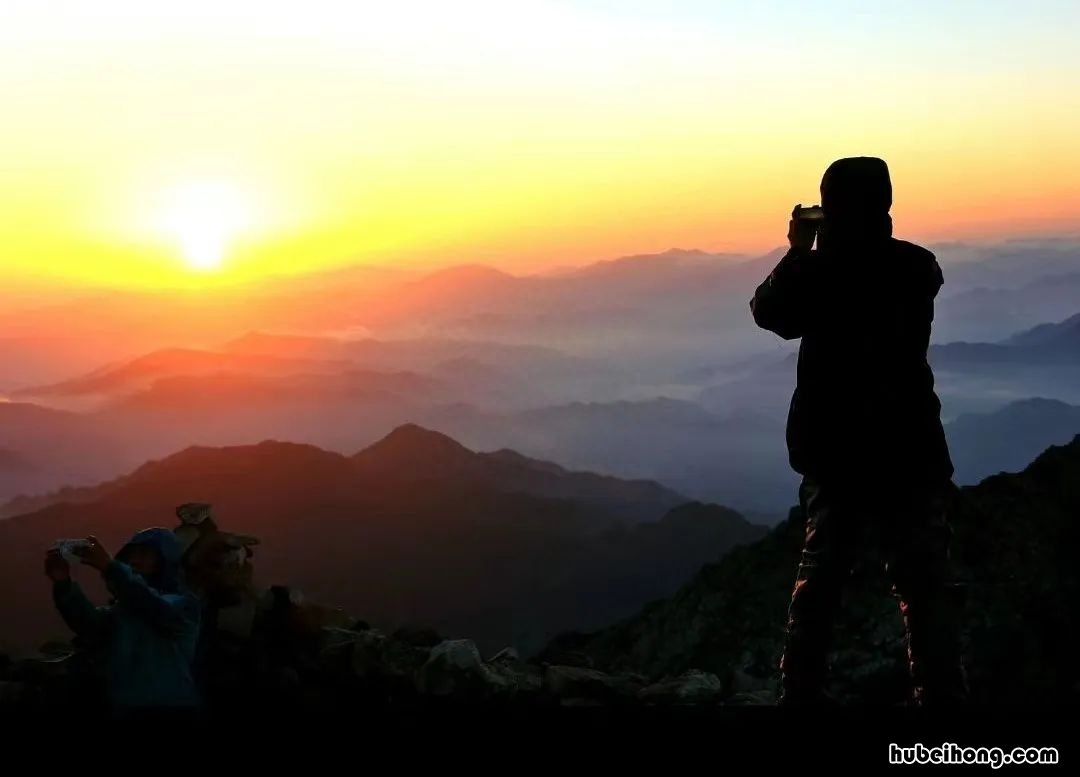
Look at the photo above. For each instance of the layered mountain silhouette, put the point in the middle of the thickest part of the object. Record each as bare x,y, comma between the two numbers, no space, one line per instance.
414,529
1055,343
738,458
984,444
1043,361
573,365
993,313
142,372
1014,540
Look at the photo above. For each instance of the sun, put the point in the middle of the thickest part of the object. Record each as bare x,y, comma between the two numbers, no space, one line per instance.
203,219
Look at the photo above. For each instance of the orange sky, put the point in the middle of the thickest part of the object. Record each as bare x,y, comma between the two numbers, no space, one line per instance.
154,147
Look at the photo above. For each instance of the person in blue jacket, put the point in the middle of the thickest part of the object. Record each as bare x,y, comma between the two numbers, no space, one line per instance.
148,633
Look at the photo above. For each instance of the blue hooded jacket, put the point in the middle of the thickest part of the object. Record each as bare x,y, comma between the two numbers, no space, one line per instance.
149,632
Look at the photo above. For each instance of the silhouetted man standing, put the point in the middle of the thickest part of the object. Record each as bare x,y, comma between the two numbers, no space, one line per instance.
864,426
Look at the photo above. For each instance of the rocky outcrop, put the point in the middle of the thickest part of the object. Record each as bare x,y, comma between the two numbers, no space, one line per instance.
1015,542
341,667
716,641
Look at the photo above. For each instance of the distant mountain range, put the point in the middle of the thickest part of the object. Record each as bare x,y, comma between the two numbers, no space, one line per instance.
983,444
990,313
141,373
736,458
669,309
586,366
1042,361
1045,344
414,529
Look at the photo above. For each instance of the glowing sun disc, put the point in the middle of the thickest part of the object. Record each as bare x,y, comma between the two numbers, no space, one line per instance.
202,218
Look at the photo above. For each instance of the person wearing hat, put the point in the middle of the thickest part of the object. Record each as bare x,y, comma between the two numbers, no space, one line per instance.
148,632
864,427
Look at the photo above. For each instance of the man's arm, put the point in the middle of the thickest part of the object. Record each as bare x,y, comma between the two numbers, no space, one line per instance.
172,614
779,304
78,612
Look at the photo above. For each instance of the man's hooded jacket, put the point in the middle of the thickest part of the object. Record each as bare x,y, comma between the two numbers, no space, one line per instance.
864,407
148,633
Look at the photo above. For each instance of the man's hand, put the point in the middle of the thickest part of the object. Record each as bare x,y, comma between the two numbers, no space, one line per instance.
95,555
56,568
801,232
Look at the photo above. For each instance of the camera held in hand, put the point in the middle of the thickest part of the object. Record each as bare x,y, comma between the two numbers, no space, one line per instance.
71,550
810,213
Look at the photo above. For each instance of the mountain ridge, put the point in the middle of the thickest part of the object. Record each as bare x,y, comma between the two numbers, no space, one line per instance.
496,546
1013,543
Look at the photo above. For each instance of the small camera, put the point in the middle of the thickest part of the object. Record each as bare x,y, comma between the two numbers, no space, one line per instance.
811,213
71,550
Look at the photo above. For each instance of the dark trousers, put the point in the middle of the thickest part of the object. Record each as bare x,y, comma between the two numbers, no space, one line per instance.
911,530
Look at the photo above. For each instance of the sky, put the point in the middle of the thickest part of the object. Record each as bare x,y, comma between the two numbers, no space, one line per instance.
152,143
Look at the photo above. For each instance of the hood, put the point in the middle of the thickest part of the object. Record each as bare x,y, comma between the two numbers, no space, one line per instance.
169,550
856,194
856,186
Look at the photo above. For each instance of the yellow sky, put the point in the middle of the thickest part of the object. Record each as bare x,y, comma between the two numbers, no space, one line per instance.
146,142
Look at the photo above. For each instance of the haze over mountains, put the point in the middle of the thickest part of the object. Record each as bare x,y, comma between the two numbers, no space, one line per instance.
644,366
629,408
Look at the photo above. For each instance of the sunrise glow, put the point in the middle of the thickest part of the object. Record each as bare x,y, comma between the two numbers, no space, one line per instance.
522,135
202,218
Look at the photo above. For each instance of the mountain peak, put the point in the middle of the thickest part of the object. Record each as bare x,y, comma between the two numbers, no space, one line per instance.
412,435
410,447
1057,334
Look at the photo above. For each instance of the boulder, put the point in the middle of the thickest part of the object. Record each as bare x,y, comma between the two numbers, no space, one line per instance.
520,676
693,687
333,636
365,654
568,649
455,668
373,655
506,656
572,682
753,699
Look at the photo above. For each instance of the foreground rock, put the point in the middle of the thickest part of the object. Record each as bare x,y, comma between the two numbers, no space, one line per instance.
1016,540
693,687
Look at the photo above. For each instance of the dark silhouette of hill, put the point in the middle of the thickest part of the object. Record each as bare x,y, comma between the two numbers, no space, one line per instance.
1045,344
737,458
984,444
414,529
1015,537
989,313
1062,337
1043,361
151,412
413,453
